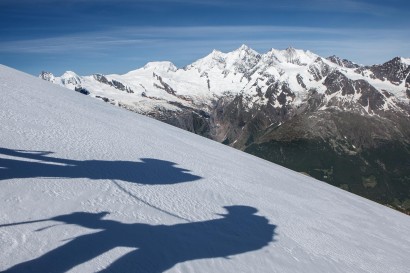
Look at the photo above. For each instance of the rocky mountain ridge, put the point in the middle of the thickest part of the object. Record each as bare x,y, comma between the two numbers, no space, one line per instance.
333,119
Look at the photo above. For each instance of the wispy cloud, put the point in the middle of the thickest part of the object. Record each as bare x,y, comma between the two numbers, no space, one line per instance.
363,45
346,6
65,44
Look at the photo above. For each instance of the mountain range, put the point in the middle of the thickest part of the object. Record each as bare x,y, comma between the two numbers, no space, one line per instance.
329,118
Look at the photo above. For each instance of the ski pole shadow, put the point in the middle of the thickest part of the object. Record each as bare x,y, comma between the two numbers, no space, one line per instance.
159,247
33,164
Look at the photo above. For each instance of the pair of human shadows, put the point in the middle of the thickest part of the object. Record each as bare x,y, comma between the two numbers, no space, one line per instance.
32,164
160,247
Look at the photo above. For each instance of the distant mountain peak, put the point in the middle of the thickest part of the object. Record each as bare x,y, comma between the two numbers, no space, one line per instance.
405,60
291,55
215,58
48,76
70,73
342,62
215,54
246,48
70,78
161,65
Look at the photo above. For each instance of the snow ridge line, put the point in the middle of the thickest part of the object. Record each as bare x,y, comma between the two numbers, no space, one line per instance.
148,204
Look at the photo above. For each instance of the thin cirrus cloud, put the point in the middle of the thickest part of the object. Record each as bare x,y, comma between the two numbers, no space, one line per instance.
65,44
151,35
349,6
187,43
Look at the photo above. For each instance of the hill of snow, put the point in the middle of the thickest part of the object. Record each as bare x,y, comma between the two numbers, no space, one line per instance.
88,187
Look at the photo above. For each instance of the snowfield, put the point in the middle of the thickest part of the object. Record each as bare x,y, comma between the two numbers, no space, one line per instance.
89,187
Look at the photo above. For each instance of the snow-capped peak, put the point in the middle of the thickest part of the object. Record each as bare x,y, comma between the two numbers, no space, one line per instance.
242,59
162,66
244,49
70,78
69,74
342,62
47,76
215,58
239,60
215,52
241,70
290,55
405,61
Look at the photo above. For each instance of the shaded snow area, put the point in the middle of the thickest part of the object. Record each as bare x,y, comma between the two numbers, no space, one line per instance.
89,187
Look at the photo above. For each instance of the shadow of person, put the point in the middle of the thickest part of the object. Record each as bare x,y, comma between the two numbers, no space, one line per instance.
160,247
26,164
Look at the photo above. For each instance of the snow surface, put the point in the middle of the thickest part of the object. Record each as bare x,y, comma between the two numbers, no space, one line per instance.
406,60
103,189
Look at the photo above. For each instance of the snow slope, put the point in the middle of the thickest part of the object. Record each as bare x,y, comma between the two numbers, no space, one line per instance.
119,192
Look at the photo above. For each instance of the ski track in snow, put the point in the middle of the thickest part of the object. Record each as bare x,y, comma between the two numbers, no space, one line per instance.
149,177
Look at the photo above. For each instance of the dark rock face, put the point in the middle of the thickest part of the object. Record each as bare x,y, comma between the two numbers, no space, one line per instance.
114,83
342,62
103,98
101,78
393,71
75,80
189,119
81,90
163,85
371,97
299,78
319,69
336,81
279,92
237,125
47,76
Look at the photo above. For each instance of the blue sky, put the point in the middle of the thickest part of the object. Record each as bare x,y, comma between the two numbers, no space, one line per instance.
115,36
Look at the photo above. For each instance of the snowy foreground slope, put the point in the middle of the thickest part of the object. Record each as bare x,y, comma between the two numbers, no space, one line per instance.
102,189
